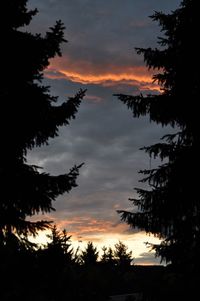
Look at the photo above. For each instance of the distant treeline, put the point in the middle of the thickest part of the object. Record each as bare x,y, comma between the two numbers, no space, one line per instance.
59,272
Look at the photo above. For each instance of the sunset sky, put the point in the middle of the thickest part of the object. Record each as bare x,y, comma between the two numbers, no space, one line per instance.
100,57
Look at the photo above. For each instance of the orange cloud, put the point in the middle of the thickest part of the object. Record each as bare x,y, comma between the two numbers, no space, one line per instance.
84,226
101,233
86,73
101,78
109,79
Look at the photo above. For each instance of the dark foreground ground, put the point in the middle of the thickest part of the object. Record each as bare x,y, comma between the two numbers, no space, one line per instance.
49,280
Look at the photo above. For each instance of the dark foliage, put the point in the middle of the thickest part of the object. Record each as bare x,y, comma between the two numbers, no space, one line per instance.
170,208
122,256
89,256
56,271
29,117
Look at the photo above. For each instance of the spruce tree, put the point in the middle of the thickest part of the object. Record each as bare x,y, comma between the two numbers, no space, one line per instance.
170,207
90,255
30,116
108,256
122,256
60,244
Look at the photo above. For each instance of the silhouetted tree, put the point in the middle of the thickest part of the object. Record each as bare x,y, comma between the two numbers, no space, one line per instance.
170,208
60,245
108,256
122,256
29,117
89,256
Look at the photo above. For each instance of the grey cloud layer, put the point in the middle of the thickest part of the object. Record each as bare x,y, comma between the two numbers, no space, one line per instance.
103,31
107,139
104,135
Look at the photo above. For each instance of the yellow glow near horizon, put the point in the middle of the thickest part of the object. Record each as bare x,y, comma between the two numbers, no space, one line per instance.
135,242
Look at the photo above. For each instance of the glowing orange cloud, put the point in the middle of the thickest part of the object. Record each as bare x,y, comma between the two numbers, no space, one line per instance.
86,73
109,79
102,233
85,226
101,78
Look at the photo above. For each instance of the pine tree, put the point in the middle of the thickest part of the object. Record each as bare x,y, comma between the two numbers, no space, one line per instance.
108,256
59,250
89,256
170,208
122,256
30,116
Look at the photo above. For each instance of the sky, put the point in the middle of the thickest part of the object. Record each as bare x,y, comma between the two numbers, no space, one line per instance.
100,57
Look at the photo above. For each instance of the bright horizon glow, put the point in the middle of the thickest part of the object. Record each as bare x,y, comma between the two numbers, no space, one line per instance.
135,243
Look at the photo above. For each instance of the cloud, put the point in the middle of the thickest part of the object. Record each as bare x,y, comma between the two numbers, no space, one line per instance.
133,76
100,56
85,226
147,258
107,139
102,32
